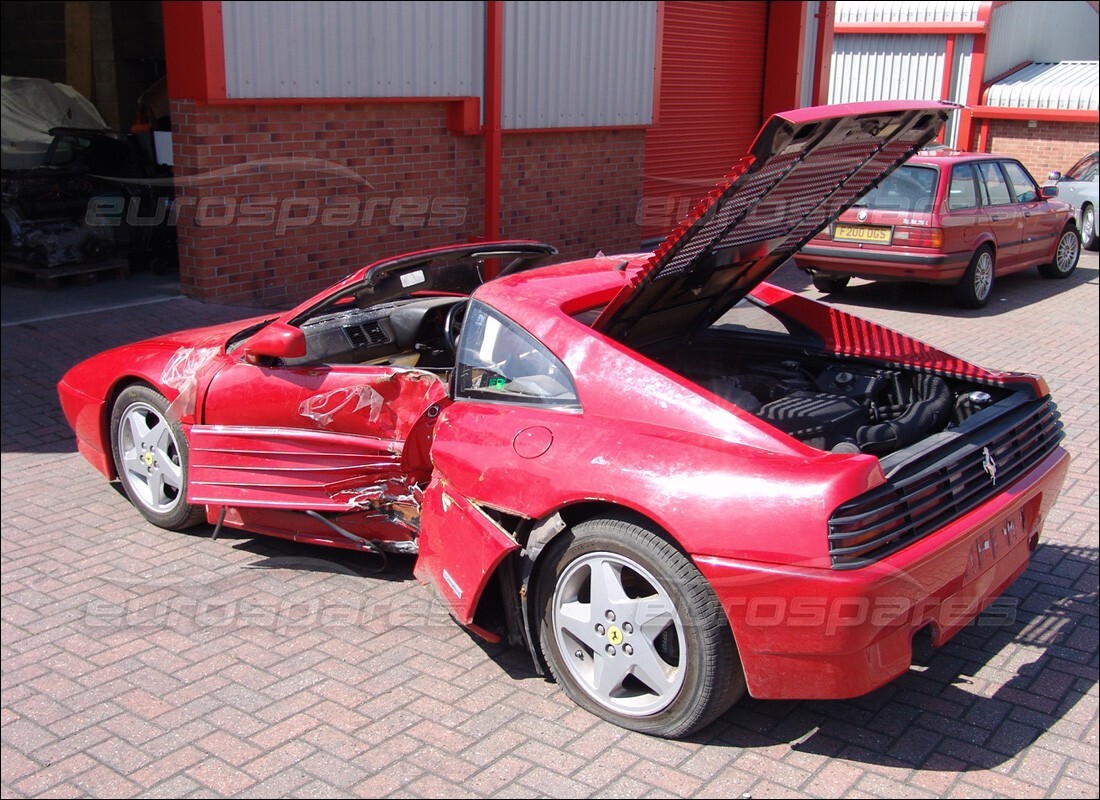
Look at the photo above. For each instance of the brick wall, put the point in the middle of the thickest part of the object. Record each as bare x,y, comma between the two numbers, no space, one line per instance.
276,202
579,190
1048,146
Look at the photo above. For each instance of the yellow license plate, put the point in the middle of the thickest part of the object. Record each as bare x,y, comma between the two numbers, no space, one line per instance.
863,233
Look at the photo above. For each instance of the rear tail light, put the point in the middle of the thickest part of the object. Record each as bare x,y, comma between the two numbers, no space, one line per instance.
918,237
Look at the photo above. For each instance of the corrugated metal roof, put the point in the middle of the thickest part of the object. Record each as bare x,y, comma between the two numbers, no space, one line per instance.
904,11
1063,85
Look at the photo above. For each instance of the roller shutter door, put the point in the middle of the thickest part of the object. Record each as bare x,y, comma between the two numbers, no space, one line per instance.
712,85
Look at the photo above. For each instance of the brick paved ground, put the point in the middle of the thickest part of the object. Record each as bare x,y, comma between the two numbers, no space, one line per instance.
142,662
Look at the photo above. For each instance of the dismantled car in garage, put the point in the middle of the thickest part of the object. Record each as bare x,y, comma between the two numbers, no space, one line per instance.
98,194
671,481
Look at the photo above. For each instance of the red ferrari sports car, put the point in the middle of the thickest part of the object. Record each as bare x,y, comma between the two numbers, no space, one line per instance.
670,481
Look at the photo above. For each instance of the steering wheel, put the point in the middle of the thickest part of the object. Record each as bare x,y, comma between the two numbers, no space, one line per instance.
452,325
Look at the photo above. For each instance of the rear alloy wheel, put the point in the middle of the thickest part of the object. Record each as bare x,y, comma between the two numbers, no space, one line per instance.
1066,255
632,630
150,453
829,284
976,286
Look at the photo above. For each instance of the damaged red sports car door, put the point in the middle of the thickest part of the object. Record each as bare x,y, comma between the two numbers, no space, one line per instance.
312,437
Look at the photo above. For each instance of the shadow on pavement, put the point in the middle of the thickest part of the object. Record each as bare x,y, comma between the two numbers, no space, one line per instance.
1010,292
957,713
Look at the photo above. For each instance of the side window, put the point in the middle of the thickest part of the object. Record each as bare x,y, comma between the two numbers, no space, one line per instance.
1084,170
964,189
498,361
1023,187
996,187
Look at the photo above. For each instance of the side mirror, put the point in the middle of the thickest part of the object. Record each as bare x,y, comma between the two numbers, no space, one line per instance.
275,341
1048,192
1055,176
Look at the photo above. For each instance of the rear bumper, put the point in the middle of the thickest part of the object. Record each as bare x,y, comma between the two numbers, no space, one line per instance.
823,634
876,265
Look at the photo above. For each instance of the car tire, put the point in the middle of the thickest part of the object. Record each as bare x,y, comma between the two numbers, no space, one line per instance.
1088,228
829,284
976,286
633,632
150,453
1066,255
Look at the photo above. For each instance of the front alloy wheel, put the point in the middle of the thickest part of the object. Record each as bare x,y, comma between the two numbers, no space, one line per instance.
1088,228
150,453
632,630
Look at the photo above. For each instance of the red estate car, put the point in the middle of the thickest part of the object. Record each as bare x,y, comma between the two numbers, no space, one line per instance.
952,218
670,481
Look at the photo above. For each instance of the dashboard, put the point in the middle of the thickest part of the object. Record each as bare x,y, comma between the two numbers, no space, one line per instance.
408,332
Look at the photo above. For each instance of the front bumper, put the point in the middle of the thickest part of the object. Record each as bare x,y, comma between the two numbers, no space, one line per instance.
807,633
86,415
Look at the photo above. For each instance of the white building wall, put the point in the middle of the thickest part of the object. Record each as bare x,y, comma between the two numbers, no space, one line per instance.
898,67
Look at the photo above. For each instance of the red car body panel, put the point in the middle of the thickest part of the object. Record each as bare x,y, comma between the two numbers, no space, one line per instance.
334,453
837,635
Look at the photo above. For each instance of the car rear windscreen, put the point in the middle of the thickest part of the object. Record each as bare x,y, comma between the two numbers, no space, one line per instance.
909,188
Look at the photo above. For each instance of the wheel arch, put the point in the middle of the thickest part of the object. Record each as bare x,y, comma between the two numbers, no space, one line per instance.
106,435
986,240
527,565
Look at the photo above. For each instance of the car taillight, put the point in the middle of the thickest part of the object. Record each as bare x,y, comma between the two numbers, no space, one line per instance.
918,237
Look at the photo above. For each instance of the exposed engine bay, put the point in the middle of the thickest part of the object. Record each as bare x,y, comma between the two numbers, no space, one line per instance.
838,405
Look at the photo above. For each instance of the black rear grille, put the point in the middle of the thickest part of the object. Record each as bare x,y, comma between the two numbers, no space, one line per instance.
368,334
901,511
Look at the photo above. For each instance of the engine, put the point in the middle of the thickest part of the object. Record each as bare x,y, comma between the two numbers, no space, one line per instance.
847,408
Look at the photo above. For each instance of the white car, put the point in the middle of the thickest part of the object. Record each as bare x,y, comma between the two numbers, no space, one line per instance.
1081,187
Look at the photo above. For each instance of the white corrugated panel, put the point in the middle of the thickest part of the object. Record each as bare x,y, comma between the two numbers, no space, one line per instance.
809,55
903,11
1023,32
1066,85
573,63
898,67
886,67
334,49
